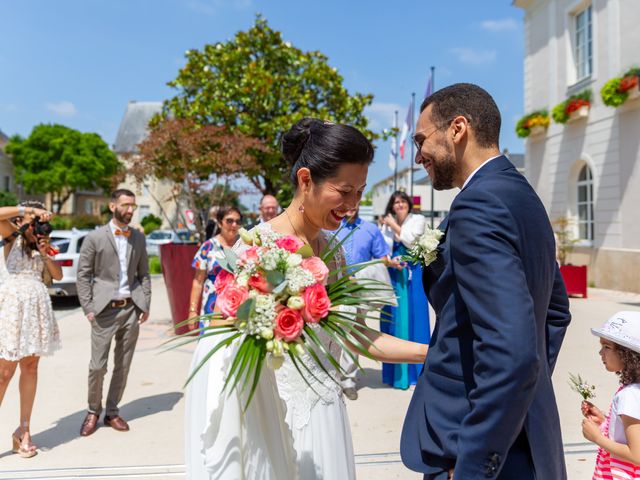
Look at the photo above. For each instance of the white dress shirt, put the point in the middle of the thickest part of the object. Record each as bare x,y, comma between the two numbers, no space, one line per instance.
476,171
121,244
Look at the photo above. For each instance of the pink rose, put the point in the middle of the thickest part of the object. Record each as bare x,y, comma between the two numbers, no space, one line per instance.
316,303
289,243
289,325
318,268
231,298
258,282
249,255
223,280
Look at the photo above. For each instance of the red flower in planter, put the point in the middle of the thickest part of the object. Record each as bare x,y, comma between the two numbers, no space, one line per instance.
576,104
627,83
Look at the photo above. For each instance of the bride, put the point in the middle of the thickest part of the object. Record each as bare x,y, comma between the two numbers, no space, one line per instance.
290,431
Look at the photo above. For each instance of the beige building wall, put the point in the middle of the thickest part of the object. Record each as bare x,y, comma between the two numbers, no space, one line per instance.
608,140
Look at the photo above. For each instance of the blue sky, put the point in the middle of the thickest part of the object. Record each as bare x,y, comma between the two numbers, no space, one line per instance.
78,62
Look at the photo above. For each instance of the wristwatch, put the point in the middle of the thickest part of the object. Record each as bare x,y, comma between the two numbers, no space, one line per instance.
21,210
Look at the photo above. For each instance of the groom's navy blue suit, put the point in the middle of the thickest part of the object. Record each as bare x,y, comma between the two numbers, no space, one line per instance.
484,404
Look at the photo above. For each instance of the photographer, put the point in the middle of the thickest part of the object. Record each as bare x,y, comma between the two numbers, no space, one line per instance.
28,328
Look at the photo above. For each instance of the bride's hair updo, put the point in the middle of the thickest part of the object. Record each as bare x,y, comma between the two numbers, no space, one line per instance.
322,147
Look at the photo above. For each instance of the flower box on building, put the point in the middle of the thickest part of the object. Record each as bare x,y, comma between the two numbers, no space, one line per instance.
575,279
579,114
537,130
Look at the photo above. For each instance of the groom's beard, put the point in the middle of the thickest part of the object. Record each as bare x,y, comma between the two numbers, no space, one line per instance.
444,169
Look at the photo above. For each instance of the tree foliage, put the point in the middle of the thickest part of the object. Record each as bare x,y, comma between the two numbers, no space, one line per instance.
60,160
7,199
259,85
191,156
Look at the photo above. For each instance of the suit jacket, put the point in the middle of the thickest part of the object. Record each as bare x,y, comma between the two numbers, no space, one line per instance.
501,315
98,278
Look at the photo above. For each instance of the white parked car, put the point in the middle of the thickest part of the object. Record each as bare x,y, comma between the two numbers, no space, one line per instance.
162,237
69,243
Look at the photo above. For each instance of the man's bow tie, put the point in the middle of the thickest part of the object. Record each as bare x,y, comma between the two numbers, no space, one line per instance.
124,233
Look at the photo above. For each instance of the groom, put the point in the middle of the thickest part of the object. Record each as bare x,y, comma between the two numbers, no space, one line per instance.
484,405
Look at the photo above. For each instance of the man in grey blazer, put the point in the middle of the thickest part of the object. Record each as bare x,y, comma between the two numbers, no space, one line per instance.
114,289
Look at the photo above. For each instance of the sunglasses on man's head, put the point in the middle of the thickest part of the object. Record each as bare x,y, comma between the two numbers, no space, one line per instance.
231,221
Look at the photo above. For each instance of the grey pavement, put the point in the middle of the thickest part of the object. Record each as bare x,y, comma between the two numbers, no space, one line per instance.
154,404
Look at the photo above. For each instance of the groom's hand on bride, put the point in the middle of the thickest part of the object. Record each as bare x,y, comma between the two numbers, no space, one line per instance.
450,477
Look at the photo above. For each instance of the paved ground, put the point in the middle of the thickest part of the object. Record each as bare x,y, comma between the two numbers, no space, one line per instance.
153,404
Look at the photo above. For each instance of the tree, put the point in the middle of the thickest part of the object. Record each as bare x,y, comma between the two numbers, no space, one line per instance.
59,160
150,223
193,157
259,85
8,199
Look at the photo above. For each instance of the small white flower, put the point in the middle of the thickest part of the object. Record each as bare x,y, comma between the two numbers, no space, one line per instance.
425,248
295,302
294,260
274,361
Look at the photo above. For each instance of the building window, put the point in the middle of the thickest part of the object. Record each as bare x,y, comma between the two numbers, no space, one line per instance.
144,211
583,44
585,204
88,207
7,184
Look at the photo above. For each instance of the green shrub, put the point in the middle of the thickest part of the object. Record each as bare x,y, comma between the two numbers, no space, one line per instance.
611,96
150,223
67,222
154,264
8,199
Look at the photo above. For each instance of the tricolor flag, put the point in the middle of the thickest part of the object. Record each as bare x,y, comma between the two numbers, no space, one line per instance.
429,89
392,155
407,127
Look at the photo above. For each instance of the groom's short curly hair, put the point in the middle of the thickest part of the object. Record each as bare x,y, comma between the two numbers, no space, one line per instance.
473,103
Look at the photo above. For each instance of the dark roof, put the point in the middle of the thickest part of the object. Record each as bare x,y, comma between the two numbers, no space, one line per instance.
3,137
133,128
517,159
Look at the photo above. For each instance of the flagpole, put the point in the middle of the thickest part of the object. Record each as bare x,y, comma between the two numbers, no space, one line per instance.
395,154
413,155
433,89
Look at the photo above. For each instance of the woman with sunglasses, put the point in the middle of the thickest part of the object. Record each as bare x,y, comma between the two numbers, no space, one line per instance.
229,221
28,328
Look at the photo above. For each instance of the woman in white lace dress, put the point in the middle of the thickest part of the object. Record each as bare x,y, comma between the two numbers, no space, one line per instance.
290,430
28,329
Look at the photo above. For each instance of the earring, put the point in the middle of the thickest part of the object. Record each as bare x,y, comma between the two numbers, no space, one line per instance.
301,208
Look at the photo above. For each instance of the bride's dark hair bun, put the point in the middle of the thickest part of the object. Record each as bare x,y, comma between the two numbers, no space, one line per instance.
295,139
322,147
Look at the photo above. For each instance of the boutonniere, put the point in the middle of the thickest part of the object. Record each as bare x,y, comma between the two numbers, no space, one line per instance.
425,247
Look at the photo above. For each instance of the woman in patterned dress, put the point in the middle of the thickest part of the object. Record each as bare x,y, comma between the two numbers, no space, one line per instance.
28,329
229,220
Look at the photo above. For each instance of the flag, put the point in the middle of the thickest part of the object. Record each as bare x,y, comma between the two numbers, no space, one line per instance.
392,155
429,89
406,128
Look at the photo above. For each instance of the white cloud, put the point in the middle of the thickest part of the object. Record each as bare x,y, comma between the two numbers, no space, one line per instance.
507,24
63,109
474,57
211,7
381,115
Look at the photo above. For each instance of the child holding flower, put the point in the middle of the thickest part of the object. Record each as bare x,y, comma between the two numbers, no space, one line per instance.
618,434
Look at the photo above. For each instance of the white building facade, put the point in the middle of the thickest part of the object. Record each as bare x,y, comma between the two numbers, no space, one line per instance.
587,170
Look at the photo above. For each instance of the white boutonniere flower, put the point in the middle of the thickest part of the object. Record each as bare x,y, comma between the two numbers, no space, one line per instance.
425,248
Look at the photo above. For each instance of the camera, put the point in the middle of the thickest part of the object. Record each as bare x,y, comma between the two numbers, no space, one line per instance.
42,229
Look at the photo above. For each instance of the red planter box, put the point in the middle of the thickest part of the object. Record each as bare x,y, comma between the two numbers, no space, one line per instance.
575,279
178,276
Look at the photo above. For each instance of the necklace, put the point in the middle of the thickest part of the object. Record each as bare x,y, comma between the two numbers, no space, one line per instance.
317,250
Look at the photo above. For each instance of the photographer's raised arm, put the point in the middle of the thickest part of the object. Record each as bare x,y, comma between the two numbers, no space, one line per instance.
7,228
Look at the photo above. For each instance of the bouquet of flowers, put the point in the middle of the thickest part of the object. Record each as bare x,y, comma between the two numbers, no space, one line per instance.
425,249
273,299
585,390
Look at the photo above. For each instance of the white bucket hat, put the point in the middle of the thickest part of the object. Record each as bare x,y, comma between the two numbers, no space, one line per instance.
623,328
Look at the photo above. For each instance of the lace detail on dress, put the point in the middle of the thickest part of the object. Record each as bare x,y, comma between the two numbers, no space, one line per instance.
27,324
299,397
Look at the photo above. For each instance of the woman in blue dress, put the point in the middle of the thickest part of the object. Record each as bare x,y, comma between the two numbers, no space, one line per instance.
205,262
410,319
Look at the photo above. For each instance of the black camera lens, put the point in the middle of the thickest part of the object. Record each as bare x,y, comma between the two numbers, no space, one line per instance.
42,228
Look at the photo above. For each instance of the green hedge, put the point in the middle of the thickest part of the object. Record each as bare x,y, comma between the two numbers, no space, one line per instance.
154,264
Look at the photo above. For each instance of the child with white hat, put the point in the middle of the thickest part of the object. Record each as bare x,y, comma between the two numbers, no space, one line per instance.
618,434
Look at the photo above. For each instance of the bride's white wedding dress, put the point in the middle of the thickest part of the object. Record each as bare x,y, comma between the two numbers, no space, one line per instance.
290,431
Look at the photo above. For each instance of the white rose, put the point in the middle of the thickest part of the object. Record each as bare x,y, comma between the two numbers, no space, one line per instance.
295,302
294,260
